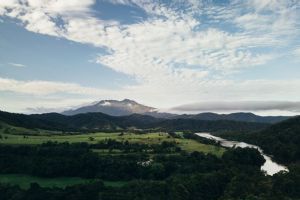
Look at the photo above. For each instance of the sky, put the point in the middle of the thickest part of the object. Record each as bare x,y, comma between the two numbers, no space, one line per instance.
184,56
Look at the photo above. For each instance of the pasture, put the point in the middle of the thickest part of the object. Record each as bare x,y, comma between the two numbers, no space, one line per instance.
149,138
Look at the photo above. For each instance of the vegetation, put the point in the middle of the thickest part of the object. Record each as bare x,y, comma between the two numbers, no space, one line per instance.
235,175
140,165
281,140
24,181
96,122
69,160
239,116
150,138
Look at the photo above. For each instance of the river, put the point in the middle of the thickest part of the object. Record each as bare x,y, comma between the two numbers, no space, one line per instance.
270,167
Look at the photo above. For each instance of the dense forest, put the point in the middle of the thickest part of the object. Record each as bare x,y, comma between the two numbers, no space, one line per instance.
235,175
153,170
281,140
239,116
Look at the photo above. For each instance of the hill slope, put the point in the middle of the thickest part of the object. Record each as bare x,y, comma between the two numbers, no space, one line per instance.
241,116
100,121
128,107
281,140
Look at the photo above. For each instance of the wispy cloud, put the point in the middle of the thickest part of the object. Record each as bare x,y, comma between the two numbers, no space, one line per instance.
182,50
45,87
16,64
296,52
256,90
235,106
168,38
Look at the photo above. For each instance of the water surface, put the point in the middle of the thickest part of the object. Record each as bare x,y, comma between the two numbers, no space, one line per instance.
270,167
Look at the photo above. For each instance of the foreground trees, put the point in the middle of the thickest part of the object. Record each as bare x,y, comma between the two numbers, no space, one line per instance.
168,176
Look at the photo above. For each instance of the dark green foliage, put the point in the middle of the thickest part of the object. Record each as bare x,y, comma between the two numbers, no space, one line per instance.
281,140
126,147
55,160
240,116
195,125
243,156
35,192
194,176
288,183
169,174
101,122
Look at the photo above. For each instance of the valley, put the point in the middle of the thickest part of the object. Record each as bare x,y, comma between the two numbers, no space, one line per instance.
270,167
188,145
141,153
149,100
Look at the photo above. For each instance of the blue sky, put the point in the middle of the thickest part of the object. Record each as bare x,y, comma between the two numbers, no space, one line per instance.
56,54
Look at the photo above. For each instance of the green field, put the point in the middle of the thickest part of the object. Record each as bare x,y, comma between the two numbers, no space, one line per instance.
149,138
13,130
24,181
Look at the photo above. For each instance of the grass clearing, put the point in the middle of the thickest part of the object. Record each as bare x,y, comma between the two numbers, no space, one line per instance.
14,130
149,138
24,181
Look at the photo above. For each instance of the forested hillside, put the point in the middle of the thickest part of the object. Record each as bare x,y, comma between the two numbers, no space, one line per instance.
281,140
103,122
161,176
240,116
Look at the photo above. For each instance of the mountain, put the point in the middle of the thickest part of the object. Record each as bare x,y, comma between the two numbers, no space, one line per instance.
128,107
119,108
112,107
87,122
241,116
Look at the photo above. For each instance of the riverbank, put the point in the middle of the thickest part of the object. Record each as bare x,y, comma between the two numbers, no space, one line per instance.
270,167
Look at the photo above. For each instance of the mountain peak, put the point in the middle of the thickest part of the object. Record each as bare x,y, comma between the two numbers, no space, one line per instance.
129,100
113,107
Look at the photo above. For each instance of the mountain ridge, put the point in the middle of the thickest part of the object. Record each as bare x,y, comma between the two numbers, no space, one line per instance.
127,107
88,122
238,116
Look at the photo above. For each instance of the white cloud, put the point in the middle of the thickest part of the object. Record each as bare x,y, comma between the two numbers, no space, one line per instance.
45,87
162,94
296,52
272,5
40,15
264,107
154,46
16,64
172,54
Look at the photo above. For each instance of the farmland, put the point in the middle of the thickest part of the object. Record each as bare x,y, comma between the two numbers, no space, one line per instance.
188,145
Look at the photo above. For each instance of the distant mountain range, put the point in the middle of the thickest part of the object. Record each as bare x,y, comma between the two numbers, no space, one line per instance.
128,107
88,122
240,116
